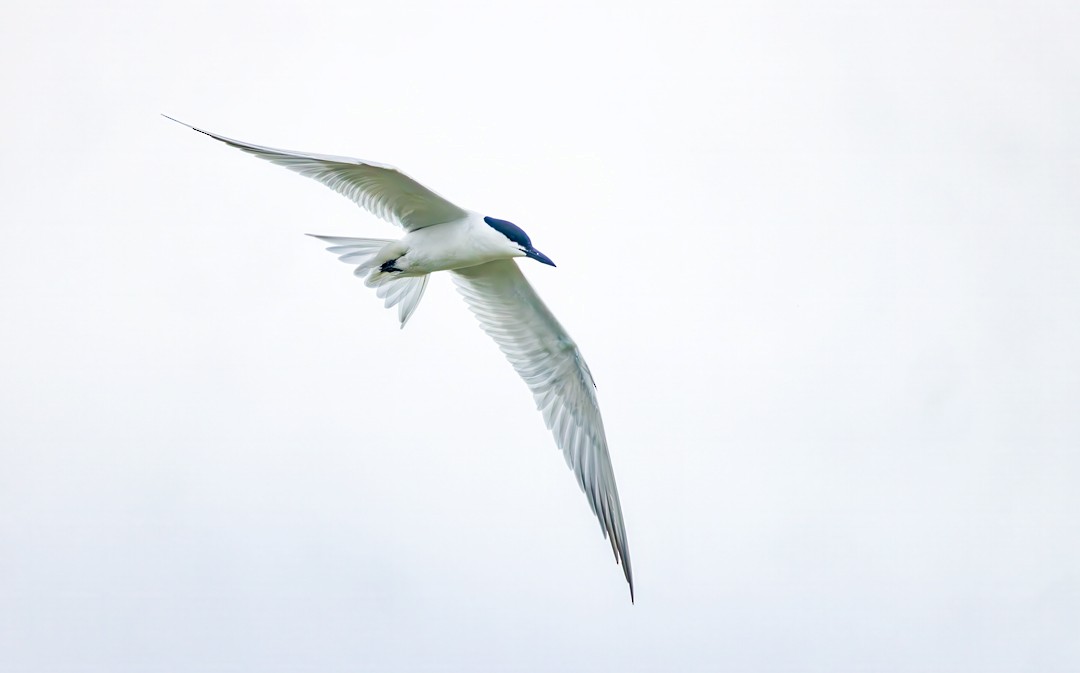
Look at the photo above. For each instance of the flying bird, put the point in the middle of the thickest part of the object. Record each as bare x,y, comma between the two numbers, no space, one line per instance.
479,252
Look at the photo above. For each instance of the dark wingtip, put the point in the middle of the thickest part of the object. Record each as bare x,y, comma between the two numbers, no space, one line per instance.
205,133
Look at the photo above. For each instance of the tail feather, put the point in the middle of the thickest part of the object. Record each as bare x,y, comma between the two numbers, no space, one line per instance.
405,293
360,251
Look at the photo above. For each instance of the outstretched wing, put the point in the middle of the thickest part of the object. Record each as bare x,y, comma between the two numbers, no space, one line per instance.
549,361
383,190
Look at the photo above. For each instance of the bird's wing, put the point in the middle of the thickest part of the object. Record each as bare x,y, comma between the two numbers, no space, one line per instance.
549,361
383,190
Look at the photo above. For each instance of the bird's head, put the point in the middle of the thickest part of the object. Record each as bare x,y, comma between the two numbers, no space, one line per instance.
518,240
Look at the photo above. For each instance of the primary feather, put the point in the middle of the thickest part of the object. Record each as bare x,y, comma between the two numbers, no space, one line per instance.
383,190
549,361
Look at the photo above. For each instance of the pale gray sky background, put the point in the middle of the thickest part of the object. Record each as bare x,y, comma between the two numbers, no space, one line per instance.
823,259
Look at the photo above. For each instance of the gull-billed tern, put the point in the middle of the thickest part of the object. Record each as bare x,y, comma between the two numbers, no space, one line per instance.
479,253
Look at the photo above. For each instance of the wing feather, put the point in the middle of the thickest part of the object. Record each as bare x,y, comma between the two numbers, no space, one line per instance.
380,189
548,360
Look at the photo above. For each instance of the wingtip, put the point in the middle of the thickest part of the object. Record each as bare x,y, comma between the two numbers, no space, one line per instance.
324,239
193,128
626,573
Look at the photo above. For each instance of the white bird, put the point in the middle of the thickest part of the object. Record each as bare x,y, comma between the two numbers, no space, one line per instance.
479,253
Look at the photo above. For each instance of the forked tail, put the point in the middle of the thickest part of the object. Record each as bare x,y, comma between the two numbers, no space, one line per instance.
405,293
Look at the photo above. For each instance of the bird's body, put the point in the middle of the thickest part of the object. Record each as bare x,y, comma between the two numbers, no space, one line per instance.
478,251
446,246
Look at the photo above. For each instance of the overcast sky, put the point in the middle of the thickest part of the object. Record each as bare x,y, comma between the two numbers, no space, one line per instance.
824,262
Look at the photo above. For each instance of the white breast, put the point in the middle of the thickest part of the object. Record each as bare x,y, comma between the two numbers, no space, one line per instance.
455,245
